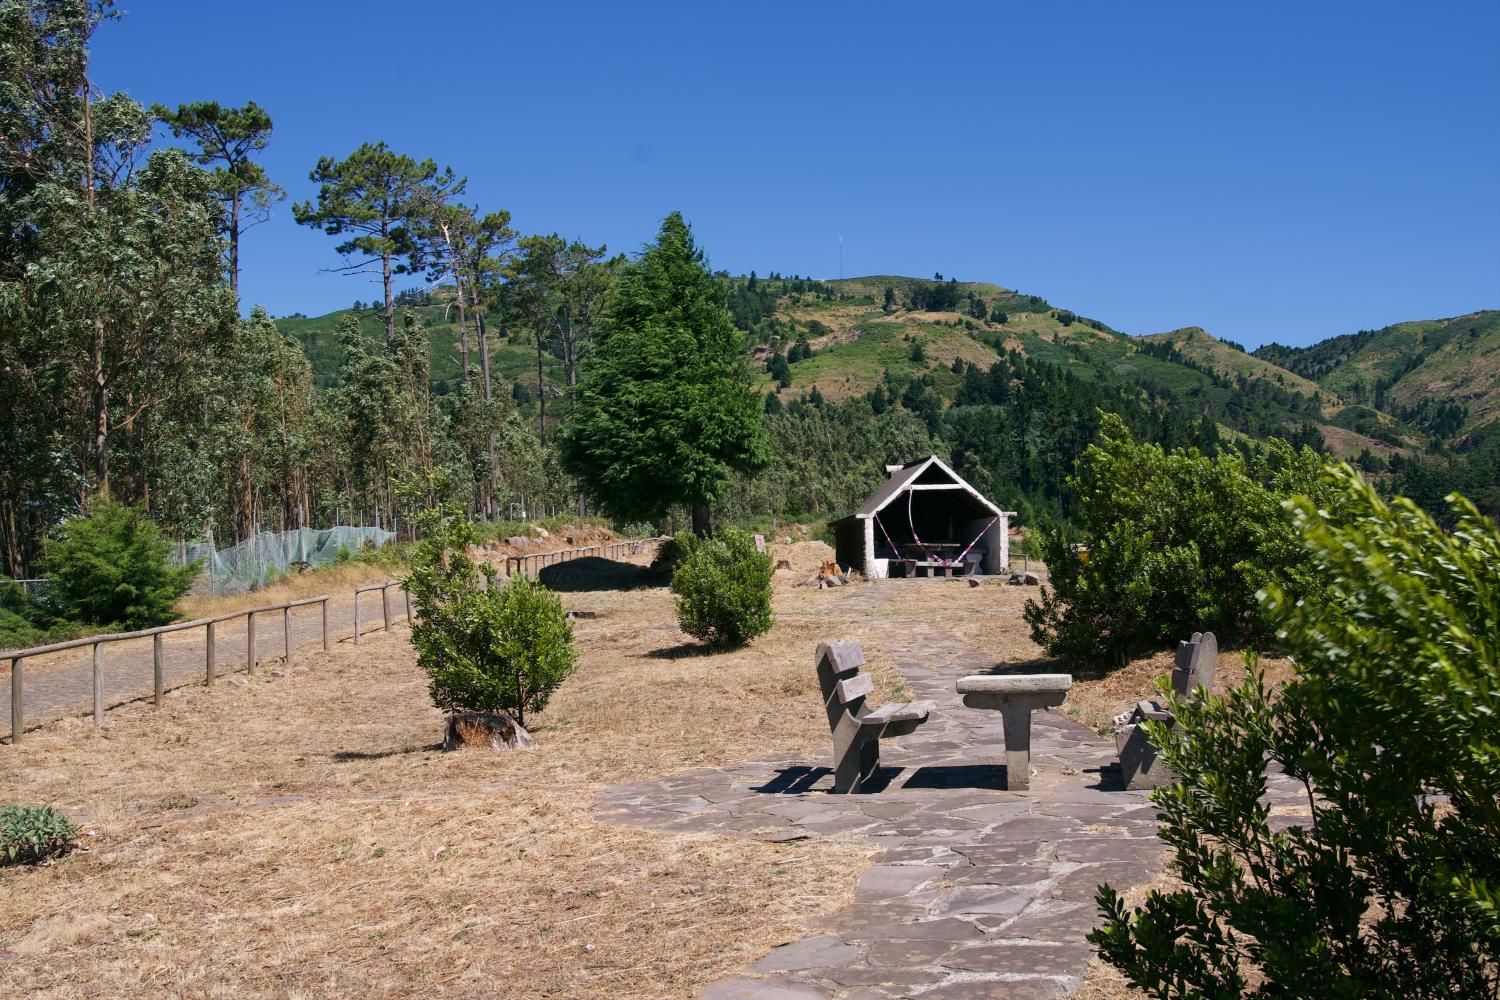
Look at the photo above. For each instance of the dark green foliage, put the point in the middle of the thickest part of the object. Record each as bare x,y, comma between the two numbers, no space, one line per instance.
665,413
1391,727
780,370
918,353
723,588
485,647
29,834
1176,541
112,567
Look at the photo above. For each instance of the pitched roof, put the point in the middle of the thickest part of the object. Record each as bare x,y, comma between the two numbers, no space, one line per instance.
908,475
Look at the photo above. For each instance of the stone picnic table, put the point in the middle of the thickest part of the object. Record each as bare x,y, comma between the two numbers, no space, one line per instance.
1015,697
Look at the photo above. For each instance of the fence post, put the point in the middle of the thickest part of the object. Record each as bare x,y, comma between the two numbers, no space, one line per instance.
408,604
326,647
385,607
286,633
98,684
15,701
213,654
158,686
250,642
356,618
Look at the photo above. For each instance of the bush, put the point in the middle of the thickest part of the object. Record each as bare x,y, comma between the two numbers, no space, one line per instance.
484,648
1176,542
29,834
112,567
1391,727
723,588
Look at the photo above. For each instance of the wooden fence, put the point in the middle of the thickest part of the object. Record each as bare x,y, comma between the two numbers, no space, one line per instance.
210,625
385,604
532,564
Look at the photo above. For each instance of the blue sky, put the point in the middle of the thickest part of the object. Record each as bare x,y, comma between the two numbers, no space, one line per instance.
1270,171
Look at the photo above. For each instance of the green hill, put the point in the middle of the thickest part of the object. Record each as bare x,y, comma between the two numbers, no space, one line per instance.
1441,377
1401,389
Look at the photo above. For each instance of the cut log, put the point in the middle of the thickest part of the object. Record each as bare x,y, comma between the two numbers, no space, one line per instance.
476,729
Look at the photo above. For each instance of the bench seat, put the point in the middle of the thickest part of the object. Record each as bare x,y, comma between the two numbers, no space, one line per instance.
916,711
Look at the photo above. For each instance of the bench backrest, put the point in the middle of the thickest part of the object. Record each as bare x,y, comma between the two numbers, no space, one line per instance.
843,687
1197,662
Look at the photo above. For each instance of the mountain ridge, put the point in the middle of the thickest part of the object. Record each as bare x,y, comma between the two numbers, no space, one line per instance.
1409,388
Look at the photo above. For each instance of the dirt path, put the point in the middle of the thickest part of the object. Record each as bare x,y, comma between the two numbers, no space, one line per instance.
62,684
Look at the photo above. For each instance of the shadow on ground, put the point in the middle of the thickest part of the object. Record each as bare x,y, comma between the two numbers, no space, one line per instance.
681,651
593,573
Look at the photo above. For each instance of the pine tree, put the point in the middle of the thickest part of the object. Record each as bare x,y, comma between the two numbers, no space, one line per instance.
665,413
375,195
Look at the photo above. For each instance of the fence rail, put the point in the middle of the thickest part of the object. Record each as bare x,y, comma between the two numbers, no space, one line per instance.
210,625
532,563
385,604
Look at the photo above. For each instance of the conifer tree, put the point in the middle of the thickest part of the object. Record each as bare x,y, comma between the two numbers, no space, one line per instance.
226,138
373,197
665,413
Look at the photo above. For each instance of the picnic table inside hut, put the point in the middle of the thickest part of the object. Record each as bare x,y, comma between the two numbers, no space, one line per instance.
943,555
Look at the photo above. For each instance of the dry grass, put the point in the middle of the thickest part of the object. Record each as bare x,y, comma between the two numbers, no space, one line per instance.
299,835
336,581
1098,697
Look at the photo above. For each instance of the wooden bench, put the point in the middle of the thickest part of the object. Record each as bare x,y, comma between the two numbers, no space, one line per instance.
1015,696
858,729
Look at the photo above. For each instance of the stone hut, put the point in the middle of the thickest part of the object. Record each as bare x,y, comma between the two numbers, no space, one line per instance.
925,521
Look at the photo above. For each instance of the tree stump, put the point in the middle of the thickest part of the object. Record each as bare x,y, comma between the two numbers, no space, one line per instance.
497,729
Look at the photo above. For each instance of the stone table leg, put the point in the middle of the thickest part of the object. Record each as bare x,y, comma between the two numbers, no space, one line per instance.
1016,717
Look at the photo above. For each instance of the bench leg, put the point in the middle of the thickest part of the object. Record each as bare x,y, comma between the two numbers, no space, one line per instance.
856,764
1017,722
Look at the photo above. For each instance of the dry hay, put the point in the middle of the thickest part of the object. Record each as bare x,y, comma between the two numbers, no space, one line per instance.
299,834
1100,695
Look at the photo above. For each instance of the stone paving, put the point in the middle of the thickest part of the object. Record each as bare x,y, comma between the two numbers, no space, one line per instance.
977,892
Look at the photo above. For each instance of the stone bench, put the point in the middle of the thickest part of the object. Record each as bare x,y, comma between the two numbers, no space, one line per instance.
858,729
1015,697
1194,668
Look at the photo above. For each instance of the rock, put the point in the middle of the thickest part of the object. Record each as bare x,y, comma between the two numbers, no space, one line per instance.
518,542
582,614
973,583
497,729
541,532
1025,579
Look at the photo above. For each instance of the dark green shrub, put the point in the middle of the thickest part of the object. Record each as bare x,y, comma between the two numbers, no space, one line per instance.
1176,542
113,567
1391,726
485,647
723,588
29,834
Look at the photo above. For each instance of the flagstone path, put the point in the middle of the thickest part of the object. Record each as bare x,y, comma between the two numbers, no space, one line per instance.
977,892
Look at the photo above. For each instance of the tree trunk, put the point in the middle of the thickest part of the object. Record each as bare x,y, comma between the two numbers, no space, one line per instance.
702,524
541,394
234,246
101,410
385,274
484,352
